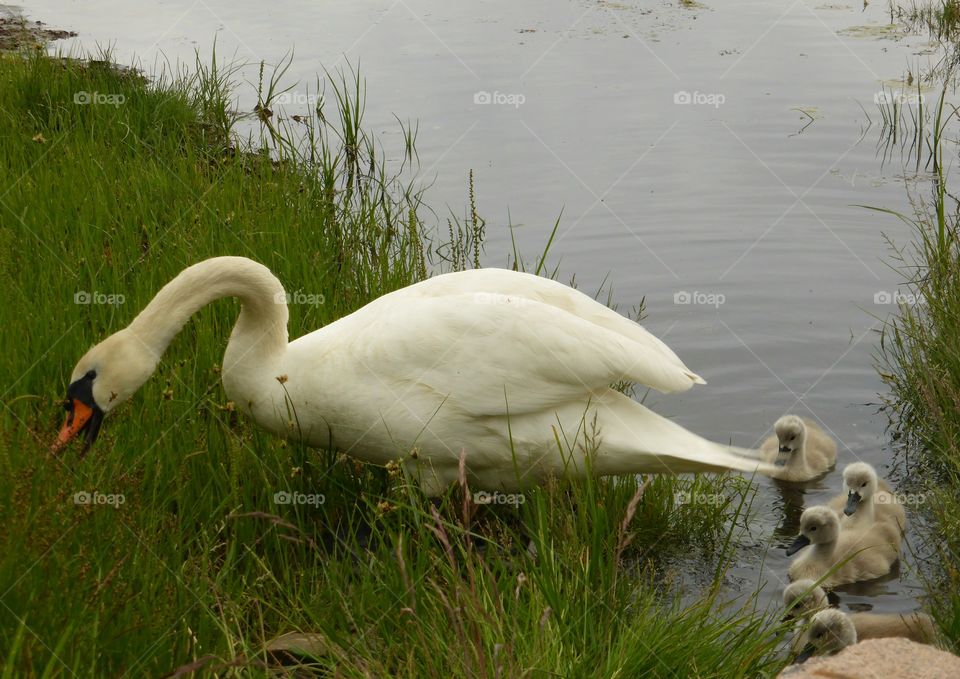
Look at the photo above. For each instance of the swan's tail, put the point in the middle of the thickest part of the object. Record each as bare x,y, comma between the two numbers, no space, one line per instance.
634,439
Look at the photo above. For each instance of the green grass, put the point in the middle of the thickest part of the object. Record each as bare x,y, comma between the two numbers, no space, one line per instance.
904,123
200,565
941,18
920,361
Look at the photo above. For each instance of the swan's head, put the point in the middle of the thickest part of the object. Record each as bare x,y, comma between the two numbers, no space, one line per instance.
860,482
790,434
818,525
105,377
831,630
803,597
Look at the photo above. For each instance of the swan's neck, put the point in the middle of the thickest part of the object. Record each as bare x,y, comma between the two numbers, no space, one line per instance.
260,333
798,461
823,551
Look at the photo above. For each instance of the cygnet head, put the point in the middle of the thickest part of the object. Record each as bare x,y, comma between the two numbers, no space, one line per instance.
831,630
818,525
790,432
803,597
860,482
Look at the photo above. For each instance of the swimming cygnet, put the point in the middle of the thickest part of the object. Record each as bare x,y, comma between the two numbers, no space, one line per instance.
830,631
851,555
803,599
866,499
800,449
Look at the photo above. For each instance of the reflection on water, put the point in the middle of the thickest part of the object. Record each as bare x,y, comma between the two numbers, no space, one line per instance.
791,505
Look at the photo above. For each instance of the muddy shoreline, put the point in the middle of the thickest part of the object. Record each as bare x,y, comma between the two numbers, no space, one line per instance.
18,33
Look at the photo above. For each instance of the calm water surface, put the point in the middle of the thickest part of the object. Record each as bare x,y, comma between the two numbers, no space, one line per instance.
711,155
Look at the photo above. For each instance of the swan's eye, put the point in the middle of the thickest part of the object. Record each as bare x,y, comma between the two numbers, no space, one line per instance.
863,485
68,405
91,374
813,528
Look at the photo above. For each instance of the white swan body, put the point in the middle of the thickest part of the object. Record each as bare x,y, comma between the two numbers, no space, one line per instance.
494,364
801,450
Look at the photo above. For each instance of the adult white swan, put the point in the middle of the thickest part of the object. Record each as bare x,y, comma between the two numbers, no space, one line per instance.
496,364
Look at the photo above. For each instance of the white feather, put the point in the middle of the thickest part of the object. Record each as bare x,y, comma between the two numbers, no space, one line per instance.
496,365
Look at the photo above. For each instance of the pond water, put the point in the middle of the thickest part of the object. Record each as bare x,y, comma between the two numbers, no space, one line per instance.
708,159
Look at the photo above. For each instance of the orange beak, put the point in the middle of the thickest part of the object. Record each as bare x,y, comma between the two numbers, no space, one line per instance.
77,419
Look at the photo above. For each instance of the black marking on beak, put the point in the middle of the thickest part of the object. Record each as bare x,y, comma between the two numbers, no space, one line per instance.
91,429
80,403
798,544
853,501
805,654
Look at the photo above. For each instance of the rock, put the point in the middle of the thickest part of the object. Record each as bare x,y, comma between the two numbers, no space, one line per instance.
886,658
16,33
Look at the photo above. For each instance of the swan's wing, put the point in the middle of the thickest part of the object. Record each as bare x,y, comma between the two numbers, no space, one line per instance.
484,282
494,354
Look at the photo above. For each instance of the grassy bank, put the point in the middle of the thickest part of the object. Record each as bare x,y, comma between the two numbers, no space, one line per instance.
167,547
920,361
